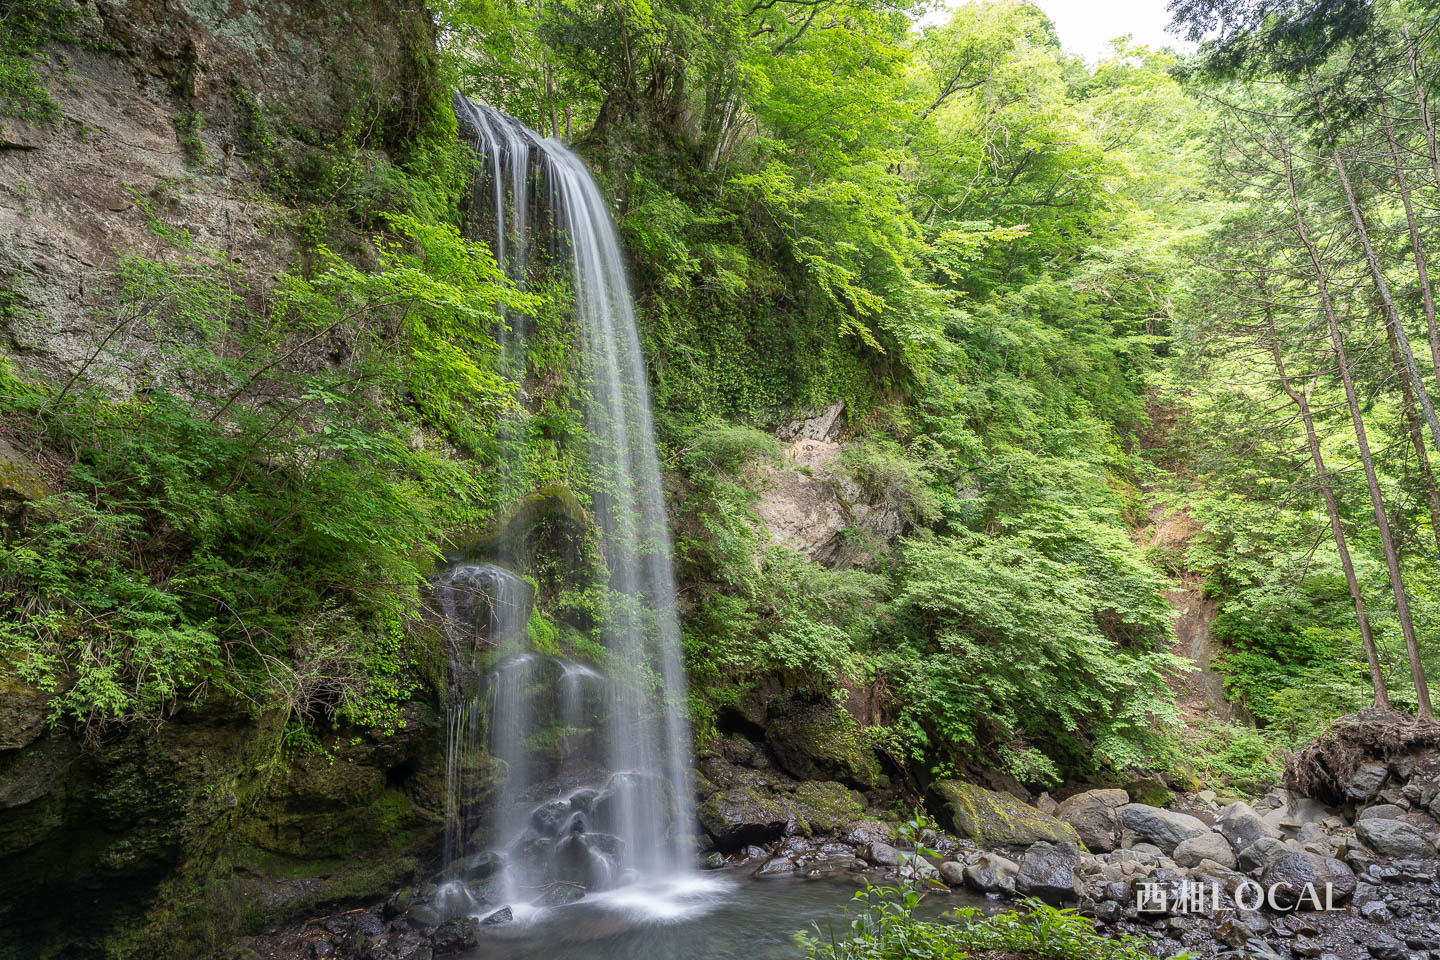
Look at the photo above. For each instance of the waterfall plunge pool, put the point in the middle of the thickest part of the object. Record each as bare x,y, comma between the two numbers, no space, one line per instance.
716,915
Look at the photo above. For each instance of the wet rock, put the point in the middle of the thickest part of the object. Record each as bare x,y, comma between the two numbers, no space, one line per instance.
1262,853
1164,828
1306,947
1209,846
1095,817
559,894
953,873
1239,824
1366,781
1385,947
992,873
423,916
1375,911
549,817
455,936
712,861
503,915
1109,911
742,816
479,866
995,818
862,833
882,854
1048,873
776,867
1292,875
826,806
1393,838
915,867
321,949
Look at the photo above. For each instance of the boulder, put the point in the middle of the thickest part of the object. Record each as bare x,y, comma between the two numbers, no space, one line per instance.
559,894
993,873
882,855
953,873
1381,811
826,805
820,741
862,833
776,867
1366,781
455,936
1208,846
1290,875
1094,816
1048,873
742,816
503,915
1164,828
995,819
1394,838
1241,826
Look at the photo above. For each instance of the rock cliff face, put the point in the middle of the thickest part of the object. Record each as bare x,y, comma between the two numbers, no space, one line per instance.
161,841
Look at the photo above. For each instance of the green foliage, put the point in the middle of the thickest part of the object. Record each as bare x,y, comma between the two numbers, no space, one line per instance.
888,927
26,26
253,525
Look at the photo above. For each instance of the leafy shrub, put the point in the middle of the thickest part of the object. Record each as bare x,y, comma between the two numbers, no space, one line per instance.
255,524
887,928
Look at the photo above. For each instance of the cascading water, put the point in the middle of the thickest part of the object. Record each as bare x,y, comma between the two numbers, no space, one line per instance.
593,763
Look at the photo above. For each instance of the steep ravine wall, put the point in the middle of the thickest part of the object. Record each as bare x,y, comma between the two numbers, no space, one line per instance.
165,840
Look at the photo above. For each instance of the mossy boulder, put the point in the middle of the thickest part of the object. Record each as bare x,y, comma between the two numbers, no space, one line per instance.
820,741
1150,792
740,816
994,819
827,806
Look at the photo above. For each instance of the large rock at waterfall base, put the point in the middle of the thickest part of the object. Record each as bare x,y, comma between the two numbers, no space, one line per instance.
820,741
1208,846
1095,817
742,816
995,819
1048,873
1394,838
1242,826
456,936
1290,876
1164,828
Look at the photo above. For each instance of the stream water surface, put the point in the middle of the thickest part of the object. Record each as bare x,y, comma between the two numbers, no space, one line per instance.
719,915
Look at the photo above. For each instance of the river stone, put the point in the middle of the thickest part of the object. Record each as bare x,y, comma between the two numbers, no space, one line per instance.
1394,838
996,819
560,894
882,855
862,833
776,867
455,936
953,873
742,816
1241,825
1095,818
1366,781
1289,876
915,867
1208,846
1262,853
1381,811
1164,828
1048,873
993,873
503,915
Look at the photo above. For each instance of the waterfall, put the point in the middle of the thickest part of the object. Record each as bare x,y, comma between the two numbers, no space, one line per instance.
593,784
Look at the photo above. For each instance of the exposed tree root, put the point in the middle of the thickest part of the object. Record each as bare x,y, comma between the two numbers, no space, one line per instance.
1322,769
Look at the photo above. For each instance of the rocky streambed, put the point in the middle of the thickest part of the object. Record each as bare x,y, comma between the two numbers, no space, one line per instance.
1351,873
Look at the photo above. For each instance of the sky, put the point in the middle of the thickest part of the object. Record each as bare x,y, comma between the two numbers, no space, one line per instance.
1086,27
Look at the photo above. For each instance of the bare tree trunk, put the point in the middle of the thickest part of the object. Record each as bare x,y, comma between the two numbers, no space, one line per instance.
1417,440
1327,493
1382,522
1392,315
1421,268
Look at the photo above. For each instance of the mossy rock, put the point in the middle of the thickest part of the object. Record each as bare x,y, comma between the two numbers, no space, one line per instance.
1150,792
827,806
819,741
741,816
19,478
994,819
